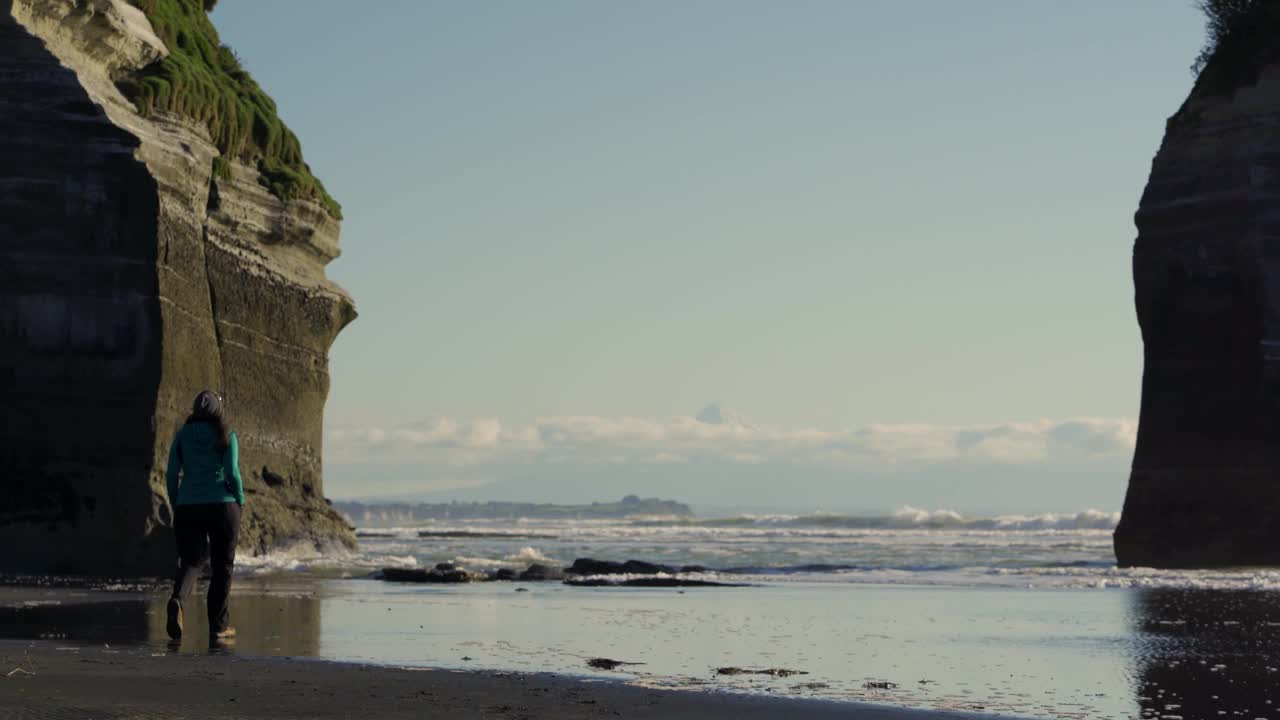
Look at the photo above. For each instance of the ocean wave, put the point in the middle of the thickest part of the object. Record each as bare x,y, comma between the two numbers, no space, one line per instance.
385,533
305,558
906,518
1066,574
519,560
492,534
816,525
908,546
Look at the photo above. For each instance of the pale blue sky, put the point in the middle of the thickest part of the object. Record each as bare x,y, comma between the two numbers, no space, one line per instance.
818,214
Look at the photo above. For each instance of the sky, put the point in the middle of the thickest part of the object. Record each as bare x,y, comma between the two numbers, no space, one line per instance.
824,254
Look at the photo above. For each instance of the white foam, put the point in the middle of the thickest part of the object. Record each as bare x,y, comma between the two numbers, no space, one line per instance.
904,518
912,545
402,533
519,560
1113,577
1090,519
529,555
908,516
301,558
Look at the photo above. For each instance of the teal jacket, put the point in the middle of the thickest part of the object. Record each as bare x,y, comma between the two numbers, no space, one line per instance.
205,471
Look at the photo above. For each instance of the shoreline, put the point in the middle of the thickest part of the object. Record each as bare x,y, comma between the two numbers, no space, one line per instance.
860,652
46,678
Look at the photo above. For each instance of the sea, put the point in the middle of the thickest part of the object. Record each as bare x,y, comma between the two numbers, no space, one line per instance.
1014,615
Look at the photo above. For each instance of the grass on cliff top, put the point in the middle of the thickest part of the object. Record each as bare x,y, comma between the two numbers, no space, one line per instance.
1241,37
202,79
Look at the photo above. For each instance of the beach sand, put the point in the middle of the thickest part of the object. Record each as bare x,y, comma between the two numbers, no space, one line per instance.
43,679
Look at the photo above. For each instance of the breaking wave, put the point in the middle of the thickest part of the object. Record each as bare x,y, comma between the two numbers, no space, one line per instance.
910,518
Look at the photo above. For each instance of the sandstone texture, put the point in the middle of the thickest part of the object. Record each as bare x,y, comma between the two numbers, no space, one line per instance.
1205,484
131,277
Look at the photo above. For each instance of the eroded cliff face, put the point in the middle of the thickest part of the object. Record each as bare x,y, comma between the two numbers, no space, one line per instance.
131,277
1205,485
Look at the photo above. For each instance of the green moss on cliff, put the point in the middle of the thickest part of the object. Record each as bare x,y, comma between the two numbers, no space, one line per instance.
1242,37
202,79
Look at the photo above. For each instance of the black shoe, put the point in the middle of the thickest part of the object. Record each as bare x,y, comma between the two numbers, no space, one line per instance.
174,626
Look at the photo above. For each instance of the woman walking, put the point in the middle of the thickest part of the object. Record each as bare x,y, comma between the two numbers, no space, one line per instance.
206,502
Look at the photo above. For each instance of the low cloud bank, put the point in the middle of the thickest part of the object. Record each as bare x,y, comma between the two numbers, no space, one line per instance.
719,437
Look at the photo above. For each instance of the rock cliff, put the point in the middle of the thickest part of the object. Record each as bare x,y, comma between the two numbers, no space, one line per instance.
1205,484
131,276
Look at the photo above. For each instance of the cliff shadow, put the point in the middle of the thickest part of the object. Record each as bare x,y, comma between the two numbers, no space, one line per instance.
1206,653
79,323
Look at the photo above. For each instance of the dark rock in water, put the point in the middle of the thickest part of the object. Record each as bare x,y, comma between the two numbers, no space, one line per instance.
879,685
607,664
402,575
453,576
504,574
656,582
425,576
537,571
589,566
775,672
638,567
134,275
445,567
588,572
1206,274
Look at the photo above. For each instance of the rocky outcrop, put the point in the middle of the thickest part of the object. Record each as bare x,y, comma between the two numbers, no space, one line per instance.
591,566
1205,483
585,572
538,571
441,573
131,277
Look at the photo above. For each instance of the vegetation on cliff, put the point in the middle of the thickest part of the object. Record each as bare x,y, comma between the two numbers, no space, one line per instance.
1241,36
202,79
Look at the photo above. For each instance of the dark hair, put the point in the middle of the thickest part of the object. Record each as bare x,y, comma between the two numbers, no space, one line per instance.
199,414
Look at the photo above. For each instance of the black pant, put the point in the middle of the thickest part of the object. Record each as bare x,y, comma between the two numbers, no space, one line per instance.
220,524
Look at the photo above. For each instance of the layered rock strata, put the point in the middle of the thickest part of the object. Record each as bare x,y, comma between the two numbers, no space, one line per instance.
131,277
1205,484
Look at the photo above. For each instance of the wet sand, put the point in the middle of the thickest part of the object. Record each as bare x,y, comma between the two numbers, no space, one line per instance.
503,650
83,651
42,679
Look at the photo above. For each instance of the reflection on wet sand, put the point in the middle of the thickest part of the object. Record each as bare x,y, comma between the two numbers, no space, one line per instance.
268,623
1154,653
1207,653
